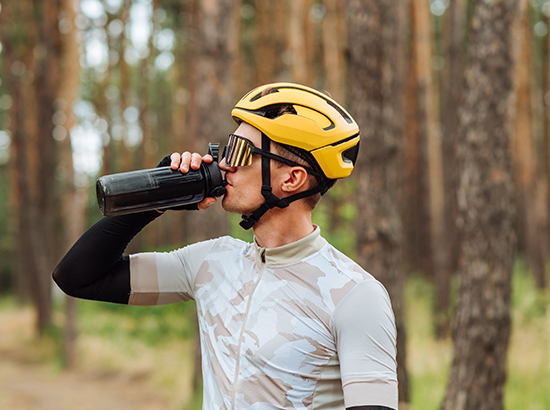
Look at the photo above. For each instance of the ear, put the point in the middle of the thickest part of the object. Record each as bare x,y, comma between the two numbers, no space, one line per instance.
294,180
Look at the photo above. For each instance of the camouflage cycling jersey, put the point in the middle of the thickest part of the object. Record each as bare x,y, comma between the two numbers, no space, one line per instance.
296,327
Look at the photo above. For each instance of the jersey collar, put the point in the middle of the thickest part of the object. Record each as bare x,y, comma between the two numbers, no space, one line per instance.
292,252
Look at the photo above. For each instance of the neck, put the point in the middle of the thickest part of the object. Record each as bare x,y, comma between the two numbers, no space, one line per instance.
280,227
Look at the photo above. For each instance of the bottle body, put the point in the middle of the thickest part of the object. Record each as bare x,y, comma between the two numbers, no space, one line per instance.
157,188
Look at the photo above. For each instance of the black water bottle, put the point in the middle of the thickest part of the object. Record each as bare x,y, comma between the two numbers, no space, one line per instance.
159,188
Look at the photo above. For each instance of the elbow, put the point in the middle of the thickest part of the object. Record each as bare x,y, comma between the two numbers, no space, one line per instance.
58,277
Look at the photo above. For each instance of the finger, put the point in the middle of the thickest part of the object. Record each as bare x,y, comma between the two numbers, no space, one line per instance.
185,161
196,160
176,159
206,202
207,158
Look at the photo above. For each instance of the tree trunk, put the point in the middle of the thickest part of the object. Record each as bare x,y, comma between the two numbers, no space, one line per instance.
210,96
299,38
525,161
268,47
33,82
210,103
413,189
376,29
174,227
125,89
481,325
544,186
334,37
454,38
74,202
429,109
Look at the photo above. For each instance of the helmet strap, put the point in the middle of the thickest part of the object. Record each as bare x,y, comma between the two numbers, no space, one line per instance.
272,201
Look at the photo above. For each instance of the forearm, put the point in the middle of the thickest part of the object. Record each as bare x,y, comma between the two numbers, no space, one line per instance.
95,268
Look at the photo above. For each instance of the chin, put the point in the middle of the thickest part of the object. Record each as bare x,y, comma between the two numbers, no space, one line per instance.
238,208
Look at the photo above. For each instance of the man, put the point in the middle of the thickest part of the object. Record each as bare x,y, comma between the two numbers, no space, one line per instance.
286,322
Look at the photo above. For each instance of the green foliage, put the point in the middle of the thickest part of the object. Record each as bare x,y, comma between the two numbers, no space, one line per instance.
336,214
154,325
529,304
236,231
528,382
429,359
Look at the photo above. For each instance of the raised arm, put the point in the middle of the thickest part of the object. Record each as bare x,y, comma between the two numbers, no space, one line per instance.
95,267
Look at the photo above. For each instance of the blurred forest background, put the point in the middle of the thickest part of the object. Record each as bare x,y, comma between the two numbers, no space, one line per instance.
449,206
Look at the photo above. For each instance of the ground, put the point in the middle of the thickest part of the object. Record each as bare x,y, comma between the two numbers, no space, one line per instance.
30,381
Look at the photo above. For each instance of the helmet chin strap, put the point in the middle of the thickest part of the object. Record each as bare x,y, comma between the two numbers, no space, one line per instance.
272,201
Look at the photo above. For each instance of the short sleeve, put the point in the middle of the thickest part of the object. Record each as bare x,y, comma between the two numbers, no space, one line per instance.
158,278
365,332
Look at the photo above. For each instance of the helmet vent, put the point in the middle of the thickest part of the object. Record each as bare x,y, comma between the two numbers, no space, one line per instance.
350,155
276,110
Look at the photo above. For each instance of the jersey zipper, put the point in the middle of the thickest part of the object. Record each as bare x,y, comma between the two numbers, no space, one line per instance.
241,336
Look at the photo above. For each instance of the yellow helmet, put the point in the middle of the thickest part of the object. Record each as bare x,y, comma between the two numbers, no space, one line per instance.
317,124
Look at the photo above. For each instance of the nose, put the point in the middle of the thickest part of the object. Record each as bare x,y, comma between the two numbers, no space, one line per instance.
224,167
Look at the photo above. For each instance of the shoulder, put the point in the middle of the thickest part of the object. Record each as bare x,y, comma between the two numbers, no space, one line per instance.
344,264
221,244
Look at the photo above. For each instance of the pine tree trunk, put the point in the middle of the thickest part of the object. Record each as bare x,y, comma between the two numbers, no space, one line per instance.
334,34
210,96
209,106
525,161
481,325
74,199
174,226
267,44
33,82
544,186
454,38
299,38
125,89
376,29
435,251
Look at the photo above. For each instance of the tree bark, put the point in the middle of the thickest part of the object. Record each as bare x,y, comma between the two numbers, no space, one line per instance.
376,31
268,47
525,161
299,38
31,37
125,89
175,226
74,198
544,186
481,325
210,96
210,103
439,245
333,39
451,87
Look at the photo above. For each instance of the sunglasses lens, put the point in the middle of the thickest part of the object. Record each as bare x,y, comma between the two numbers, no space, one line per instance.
238,152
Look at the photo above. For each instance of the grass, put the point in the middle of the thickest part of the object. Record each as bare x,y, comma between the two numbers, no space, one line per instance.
428,358
528,383
156,342
528,378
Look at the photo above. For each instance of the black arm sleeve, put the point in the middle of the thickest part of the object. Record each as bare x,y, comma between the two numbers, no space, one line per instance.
95,267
